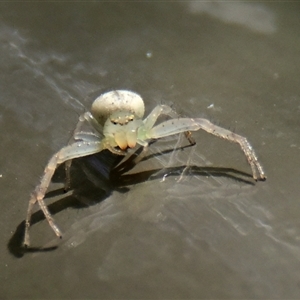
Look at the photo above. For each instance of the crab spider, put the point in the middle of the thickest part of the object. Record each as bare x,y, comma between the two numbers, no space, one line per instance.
116,118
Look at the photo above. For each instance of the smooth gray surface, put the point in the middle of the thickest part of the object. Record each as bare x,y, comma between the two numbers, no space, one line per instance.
208,235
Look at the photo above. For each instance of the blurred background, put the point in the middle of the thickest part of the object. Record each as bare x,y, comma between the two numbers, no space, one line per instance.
186,222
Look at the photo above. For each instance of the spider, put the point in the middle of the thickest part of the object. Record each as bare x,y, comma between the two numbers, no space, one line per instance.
116,120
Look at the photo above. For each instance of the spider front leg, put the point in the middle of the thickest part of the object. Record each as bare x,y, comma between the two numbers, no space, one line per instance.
176,126
149,122
78,149
164,110
77,136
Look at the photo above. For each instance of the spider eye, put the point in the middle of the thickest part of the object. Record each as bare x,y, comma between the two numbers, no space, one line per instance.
115,123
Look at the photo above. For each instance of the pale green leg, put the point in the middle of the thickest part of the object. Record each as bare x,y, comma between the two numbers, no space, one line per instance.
78,149
86,136
176,126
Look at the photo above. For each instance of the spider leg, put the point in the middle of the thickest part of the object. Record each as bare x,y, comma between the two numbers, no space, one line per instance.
88,137
149,123
165,110
175,126
78,149
79,135
87,116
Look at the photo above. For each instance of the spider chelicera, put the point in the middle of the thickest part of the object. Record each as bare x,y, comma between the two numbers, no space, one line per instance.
116,119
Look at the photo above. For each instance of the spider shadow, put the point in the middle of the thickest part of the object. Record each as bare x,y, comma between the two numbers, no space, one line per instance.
105,172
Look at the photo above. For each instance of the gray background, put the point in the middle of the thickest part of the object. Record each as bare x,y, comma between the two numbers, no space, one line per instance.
208,232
